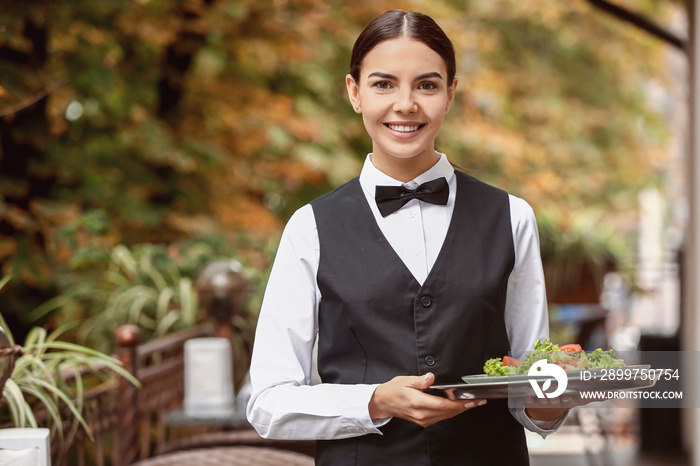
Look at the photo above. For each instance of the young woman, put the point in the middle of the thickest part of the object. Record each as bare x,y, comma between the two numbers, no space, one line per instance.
411,274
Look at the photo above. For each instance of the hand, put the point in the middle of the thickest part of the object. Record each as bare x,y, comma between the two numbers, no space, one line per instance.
403,397
549,409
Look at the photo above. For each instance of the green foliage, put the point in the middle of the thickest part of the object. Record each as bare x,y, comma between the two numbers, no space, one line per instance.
581,242
583,237
124,123
136,290
50,376
556,108
151,286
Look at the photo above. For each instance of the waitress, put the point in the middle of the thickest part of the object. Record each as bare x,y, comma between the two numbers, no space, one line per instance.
410,275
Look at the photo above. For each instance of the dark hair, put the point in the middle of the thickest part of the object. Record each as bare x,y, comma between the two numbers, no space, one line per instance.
398,23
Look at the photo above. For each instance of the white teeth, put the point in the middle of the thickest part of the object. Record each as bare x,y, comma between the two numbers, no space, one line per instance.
403,129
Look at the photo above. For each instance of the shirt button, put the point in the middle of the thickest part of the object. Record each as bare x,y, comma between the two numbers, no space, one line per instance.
426,301
411,214
430,360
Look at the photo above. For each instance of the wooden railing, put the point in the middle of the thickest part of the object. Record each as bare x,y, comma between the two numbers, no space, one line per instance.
159,366
128,423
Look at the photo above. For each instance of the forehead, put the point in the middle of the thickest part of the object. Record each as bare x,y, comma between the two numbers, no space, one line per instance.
403,56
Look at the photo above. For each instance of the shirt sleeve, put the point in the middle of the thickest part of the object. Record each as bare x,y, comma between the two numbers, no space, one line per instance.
283,403
526,313
526,300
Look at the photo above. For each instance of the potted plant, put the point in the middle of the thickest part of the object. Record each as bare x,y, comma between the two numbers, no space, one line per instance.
48,381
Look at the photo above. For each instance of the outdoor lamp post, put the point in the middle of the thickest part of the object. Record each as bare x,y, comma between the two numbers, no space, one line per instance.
222,291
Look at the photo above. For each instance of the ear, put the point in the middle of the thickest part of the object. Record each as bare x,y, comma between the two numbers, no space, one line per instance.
353,93
451,95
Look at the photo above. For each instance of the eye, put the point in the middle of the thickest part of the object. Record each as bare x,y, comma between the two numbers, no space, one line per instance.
427,86
383,85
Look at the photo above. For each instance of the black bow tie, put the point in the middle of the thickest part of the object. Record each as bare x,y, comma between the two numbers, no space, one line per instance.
392,198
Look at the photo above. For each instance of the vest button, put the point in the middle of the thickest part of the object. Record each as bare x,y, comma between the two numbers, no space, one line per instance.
430,360
426,301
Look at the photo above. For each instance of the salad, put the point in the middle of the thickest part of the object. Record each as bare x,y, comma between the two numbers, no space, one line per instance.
569,357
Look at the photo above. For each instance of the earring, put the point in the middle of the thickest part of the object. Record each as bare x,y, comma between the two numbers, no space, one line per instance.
357,108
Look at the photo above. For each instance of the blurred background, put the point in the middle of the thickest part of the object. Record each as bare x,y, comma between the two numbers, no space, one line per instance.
141,140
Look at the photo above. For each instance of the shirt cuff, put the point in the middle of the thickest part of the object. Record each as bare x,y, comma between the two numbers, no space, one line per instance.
364,420
543,428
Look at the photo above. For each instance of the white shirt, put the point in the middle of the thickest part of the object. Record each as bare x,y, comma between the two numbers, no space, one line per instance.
283,402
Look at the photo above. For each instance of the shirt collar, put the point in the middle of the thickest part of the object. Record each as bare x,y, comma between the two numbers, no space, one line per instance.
371,176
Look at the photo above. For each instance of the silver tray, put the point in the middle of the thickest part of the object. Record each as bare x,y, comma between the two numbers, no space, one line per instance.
518,386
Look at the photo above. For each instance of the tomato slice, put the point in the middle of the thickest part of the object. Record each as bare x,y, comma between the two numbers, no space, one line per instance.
512,361
571,347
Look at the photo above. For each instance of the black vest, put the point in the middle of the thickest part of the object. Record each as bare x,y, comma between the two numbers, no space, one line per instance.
376,322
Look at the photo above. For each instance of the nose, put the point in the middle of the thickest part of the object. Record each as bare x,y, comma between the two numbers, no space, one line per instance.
405,101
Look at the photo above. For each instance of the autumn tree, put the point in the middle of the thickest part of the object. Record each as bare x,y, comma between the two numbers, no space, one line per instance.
153,121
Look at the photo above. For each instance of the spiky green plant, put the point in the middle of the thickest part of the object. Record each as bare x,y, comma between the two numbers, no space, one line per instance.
52,376
154,300
141,285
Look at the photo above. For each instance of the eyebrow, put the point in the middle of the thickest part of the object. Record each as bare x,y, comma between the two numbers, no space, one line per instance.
432,74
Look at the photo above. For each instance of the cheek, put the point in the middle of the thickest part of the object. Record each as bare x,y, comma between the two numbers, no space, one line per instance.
435,116
372,111
370,123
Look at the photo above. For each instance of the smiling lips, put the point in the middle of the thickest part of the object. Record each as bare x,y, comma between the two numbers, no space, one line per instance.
404,128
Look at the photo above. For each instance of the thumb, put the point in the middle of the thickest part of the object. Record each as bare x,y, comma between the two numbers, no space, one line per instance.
425,381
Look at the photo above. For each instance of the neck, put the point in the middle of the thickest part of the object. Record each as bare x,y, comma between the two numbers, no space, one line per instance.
401,169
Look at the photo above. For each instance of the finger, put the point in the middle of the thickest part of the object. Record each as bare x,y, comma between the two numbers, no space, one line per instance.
429,415
426,381
440,406
474,403
425,409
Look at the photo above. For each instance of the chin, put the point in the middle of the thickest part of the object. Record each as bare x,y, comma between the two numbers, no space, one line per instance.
406,155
